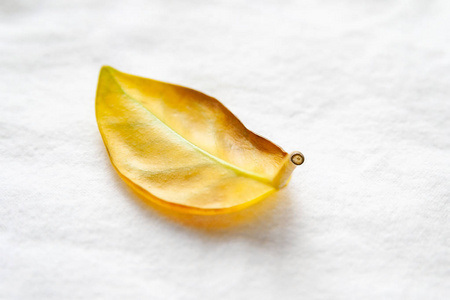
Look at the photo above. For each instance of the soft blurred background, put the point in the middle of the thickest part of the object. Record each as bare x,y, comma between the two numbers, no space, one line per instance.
362,88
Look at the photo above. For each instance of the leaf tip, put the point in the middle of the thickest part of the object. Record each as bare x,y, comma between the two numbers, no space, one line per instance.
106,68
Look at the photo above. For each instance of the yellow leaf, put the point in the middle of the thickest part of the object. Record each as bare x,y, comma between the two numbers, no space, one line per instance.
183,149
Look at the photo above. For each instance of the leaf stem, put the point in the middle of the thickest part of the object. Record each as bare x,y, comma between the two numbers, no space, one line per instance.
292,160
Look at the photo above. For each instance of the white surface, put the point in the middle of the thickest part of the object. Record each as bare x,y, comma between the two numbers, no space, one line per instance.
360,87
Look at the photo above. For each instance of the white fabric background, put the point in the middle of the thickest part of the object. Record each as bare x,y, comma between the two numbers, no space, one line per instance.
360,87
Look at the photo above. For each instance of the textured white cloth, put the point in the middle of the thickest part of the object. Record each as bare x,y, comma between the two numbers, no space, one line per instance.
362,88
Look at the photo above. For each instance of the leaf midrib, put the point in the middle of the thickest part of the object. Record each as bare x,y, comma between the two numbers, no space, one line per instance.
222,162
